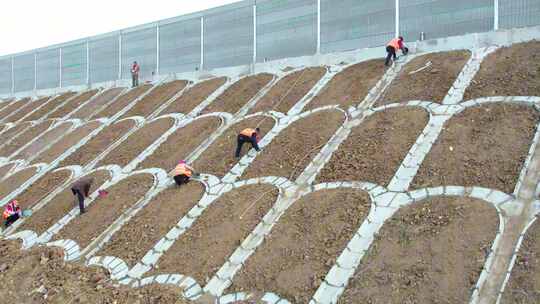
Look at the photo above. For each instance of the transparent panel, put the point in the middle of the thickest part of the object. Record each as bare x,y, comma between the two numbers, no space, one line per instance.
48,69
74,65
23,70
104,59
139,46
180,46
518,13
5,76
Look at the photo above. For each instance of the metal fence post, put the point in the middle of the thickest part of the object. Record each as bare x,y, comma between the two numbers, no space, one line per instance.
120,55
12,74
88,62
35,71
202,44
397,18
157,49
496,16
254,33
60,65
318,26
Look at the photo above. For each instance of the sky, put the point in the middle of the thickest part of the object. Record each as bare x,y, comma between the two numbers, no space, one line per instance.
30,24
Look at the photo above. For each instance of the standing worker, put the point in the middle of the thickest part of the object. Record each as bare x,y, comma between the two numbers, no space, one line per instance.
393,46
81,189
181,173
12,212
248,135
135,74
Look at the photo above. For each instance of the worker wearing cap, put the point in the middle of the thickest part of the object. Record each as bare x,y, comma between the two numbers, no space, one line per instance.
81,189
12,212
393,46
248,135
181,173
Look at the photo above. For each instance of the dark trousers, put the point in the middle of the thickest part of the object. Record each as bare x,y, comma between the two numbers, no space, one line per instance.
181,179
241,140
391,54
80,198
134,80
11,219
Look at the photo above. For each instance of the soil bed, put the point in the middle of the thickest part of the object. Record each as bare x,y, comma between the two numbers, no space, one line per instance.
181,143
50,106
122,101
29,107
482,146
104,211
350,86
152,223
219,158
365,155
214,236
240,93
14,131
429,252
304,245
73,104
25,137
98,143
59,206
510,71
289,90
429,84
100,100
15,180
42,187
5,169
137,143
13,107
43,140
156,98
67,142
194,96
293,149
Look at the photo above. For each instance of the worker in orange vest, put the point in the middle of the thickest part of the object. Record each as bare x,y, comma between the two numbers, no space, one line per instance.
12,212
135,68
248,135
393,46
181,173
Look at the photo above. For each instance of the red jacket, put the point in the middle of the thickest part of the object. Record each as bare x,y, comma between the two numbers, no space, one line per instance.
135,69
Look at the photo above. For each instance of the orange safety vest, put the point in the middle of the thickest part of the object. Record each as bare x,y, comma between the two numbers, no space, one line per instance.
181,169
394,43
248,132
10,209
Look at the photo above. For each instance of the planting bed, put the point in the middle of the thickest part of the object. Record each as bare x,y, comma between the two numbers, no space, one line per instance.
49,106
304,244
73,104
137,143
510,71
482,146
289,90
60,205
104,211
26,109
181,143
219,158
429,84
350,86
98,143
152,223
5,169
156,98
121,102
194,96
366,156
240,93
14,131
15,180
25,137
13,107
214,236
67,142
292,150
99,101
43,140
429,252
42,187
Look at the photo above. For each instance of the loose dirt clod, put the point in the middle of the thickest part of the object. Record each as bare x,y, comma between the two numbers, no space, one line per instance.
154,99
194,96
122,101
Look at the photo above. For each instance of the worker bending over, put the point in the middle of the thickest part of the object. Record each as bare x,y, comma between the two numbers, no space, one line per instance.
181,173
81,189
393,46
12,212
248,135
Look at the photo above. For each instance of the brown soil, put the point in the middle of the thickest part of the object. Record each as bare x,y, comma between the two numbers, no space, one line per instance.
219,158
194,96
152,223
350,86
41,188
5,169
122,101
14,181
67,142
24,272
156,98
482,146
181,143
430,84
98,144
59,206
205,247
304,245
25,137
29,107
430,252
43,140
524,282
14,131
240,93
136,143
14,107
365,156
100,100
292,150
289,90
103,212
73,104
51,105
510,71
